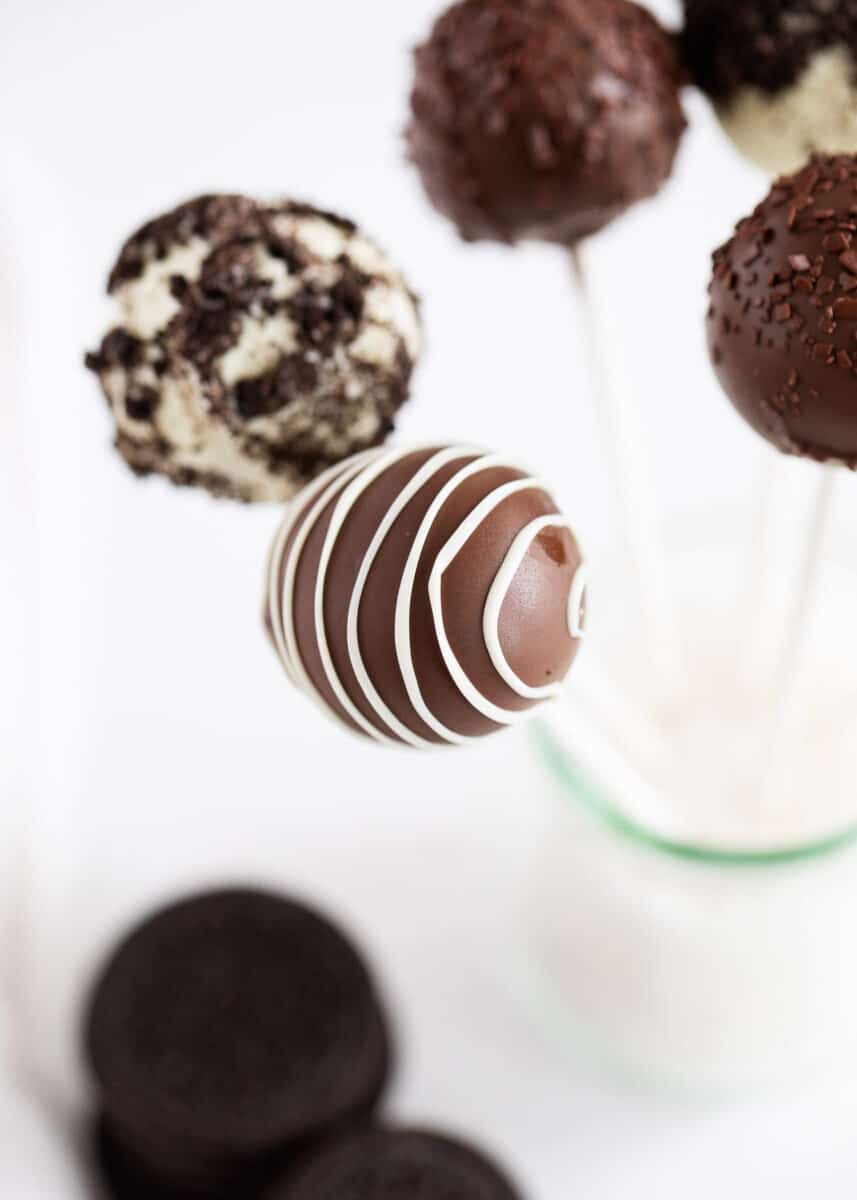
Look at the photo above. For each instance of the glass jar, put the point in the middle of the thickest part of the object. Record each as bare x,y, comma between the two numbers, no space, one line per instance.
719,952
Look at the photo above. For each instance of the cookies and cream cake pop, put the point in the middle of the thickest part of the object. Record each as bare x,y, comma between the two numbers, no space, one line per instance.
782,324
782,74
544,118
426,596
254,344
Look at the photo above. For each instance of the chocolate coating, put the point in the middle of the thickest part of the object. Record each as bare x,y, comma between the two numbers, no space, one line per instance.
389,1164
256,344
782,325
544,119
426,597
225,1031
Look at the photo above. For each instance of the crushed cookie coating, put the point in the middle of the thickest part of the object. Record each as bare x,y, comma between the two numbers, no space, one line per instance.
728,45
256,344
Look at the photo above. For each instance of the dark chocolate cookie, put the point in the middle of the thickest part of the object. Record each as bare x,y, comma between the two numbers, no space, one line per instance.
127,1174
390,1164
227,1029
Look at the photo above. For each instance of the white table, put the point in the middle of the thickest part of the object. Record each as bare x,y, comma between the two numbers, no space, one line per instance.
167,750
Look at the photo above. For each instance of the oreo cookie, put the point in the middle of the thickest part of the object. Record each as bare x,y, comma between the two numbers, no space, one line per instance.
395,1164
126,1174
224,1034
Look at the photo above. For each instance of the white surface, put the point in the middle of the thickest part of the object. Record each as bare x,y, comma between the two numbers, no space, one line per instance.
169,748
37,1161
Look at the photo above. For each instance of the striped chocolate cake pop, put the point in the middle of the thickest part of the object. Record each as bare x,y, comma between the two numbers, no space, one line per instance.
426,596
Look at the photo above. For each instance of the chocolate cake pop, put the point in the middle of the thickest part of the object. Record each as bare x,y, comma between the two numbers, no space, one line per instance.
256,344
782,74
544,118
782,325
426,596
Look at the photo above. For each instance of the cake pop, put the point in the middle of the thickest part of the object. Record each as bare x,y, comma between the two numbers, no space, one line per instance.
782,74
782,324
426,596
547,119
256,344
544,118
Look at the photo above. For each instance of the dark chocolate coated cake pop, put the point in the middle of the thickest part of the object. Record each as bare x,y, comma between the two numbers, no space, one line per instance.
782,74
544,118
782,325
426,597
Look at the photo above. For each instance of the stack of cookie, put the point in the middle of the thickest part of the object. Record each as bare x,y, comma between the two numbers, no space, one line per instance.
237,1044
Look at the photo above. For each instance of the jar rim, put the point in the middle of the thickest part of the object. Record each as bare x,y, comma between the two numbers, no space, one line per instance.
579,784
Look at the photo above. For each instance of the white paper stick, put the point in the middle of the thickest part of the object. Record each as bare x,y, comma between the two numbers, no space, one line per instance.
770,564
786,710
758,573
634,492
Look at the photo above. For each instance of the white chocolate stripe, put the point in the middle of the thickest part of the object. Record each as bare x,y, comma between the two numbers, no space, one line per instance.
406,587
341,512
448,553
425,473
272,593
575,602
494,606
293,558
275,560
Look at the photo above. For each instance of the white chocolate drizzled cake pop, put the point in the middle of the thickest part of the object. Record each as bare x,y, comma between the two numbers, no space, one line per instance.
426,597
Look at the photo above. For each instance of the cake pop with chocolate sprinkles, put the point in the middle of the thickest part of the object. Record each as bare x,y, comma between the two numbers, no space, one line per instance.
255,344
426,597
782,324
782,74
544,119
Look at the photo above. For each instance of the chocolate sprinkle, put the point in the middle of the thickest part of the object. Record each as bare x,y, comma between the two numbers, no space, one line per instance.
544,119
789,366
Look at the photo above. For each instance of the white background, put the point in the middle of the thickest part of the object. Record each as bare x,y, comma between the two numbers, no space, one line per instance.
155,744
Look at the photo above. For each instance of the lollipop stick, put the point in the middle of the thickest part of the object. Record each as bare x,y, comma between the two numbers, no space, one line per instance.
786,716
767,571
630,471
